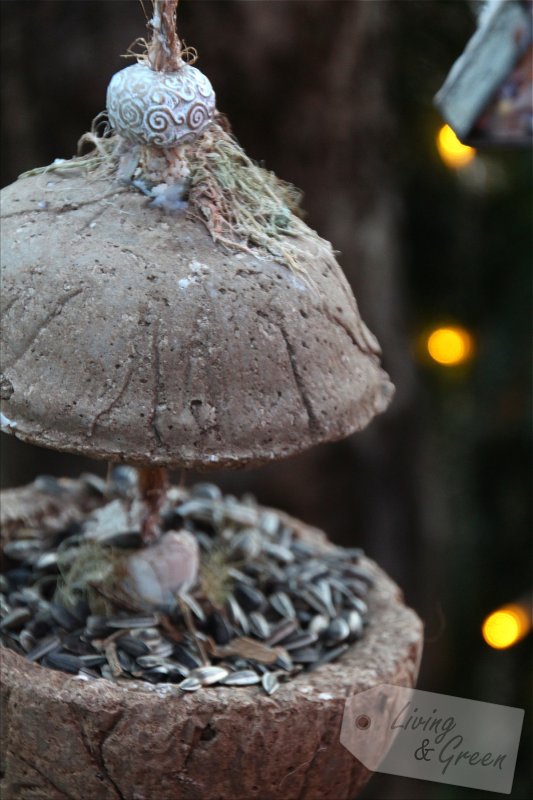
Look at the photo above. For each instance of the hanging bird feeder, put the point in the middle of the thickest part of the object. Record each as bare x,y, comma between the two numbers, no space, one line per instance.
165,306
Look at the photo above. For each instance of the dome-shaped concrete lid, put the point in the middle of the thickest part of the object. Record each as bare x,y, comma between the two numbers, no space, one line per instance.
205,327
129,335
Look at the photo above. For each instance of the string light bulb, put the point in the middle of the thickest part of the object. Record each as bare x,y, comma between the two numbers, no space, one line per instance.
506,626
454,153
450,346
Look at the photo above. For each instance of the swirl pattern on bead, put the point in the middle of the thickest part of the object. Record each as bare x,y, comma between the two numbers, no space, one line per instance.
162,109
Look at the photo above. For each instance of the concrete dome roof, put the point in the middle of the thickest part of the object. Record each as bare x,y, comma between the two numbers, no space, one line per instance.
128,335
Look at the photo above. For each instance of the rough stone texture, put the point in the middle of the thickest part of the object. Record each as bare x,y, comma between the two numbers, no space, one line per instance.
128,335
64,739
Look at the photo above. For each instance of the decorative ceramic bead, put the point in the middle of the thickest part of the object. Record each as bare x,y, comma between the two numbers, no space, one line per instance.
162,109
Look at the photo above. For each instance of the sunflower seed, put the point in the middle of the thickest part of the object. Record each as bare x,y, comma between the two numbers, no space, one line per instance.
155,674
94,482
193,605
357,587
281,632
46,561
358,572
207,491
11,641
302,549
132,646
63,662
162,648
26,641
97,626
270,682
313,599
299,641
27,596
258,625
209,675
199,509
124,540
278,552
324,591
18,577
126,662
249,598
132,622
328,656
43,647
305,655
269,522
243,677
15,619
355,624
219,628
151,636
338,631
235,512
284,662
148,662
190,685
64,618
237,615
246,545
95,660
123,481
183,656
346,554
176,670
315,570
318,624
358,605
21,549
76,645
281,603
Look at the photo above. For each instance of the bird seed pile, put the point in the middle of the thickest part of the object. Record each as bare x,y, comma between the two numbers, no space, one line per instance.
266,606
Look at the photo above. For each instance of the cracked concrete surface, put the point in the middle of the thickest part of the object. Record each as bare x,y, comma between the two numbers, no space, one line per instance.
114,351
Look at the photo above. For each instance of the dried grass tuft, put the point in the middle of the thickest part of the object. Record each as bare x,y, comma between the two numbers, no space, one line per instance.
245,207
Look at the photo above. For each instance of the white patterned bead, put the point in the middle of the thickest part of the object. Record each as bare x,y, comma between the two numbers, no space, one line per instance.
162,109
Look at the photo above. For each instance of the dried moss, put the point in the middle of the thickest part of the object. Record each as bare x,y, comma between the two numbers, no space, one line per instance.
245,207
216,583
90,565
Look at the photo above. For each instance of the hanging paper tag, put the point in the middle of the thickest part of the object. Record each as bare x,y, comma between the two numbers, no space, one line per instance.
433,737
